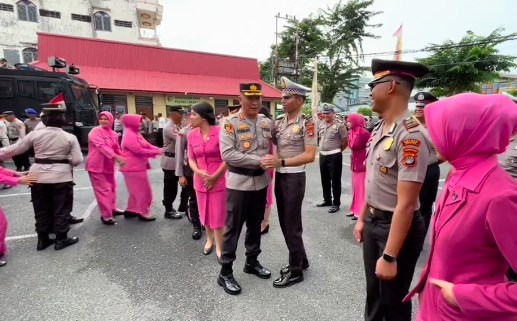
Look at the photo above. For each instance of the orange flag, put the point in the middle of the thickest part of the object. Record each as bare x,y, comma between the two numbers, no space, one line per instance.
398,49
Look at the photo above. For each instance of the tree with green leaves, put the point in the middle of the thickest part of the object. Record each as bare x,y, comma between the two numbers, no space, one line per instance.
463,66
365,111
334,36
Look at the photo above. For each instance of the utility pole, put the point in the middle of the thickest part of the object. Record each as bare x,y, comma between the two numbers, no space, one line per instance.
275,76
296,58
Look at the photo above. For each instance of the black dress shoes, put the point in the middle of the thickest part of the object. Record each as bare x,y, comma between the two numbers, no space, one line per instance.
128,214
229,284
2,263
257,269
117,213
265,231
324,204
64,243
305,266
333,209
354,218
286,280
44,243
109,221
350,215
146,218
196,234
75,220
173,215
208,250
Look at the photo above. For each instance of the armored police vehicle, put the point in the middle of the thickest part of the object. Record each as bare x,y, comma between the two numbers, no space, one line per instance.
28,87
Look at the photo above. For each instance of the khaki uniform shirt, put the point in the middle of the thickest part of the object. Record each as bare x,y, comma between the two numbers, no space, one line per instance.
30,124
402,154
292,137
40,126
182,166
3,135
15,131
170,134
508,159
243,142
49,143
331,135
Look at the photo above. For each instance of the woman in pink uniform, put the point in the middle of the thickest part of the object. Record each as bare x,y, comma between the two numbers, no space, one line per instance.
103,151
136,152
11,178
473,238
205,160
358,137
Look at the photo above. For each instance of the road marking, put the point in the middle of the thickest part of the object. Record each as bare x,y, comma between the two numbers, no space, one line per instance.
20,237
20,194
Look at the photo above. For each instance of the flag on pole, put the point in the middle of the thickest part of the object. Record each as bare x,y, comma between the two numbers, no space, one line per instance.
314,89
398,49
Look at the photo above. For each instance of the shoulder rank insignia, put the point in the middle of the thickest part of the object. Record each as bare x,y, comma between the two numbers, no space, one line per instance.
280,117
410,122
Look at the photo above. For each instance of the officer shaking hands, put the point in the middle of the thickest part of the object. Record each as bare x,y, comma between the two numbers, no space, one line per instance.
296,139
390,224
333,139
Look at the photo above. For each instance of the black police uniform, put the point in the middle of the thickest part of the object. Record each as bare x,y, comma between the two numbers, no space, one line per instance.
432,176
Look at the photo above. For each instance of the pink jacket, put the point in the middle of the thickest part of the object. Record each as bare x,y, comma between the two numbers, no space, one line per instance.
357,139
207,156
8,177
102,147
135,149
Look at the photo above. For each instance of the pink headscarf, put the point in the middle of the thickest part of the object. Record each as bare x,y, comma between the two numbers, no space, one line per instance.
357,121
108,115
470,128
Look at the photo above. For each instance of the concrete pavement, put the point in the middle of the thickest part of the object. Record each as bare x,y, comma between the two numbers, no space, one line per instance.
155,271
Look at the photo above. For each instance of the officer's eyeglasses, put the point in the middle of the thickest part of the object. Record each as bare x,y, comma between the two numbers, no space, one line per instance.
375,83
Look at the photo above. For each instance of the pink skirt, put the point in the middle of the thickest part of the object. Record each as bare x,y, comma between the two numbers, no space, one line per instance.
3,233
212,208
269,199
357,192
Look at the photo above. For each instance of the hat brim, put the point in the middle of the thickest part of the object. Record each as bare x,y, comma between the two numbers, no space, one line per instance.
420,104
252,93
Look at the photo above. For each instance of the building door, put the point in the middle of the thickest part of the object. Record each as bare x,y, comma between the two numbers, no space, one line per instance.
114,103
144,105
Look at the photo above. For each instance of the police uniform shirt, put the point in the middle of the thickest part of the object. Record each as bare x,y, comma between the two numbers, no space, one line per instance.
291,138
3,135
40,126
181,151
30,124
16,131
331,135
170,134
243,142
402,154
508,159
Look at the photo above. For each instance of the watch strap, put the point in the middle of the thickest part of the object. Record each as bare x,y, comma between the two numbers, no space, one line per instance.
388,258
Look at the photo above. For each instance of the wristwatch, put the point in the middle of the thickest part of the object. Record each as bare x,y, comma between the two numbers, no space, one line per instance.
283,162
388,258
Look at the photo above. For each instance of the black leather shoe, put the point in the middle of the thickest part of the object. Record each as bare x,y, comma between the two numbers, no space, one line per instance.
350,215
257,269
229,284
75,220
208,250
203,228
43,244
117,213
109,221
128,214
146,218
61,244
182,208
324,204
354,218
286,280
333,209
173,215
265,231
196,234
2,263
305,266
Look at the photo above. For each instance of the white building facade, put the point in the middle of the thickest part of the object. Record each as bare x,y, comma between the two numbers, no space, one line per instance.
120,20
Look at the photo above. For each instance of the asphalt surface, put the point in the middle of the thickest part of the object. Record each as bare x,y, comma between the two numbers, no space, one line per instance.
138,271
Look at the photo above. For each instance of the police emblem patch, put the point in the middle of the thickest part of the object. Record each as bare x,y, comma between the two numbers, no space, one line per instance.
296,129
420,97
383,170
310,129
246,145
409,158
228,128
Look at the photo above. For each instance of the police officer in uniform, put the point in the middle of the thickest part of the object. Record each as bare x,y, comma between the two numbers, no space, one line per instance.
32,121
432,177
333,141
390,225
296,139
16,132
56,151
233,109
186,180
244,139
508,161
168,163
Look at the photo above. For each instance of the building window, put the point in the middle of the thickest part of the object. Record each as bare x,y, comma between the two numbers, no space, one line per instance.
6,88
126,24
27,11
236,102
50,14
12,56
79,17
46,90
6,7
102,21
30,55
26,88
221,103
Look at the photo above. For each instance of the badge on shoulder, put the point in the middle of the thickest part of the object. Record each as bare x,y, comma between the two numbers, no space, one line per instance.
410,155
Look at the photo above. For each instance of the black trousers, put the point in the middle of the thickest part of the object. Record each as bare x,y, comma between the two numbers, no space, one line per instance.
511,275
241,207
331,168
159,137
384,298
428,192
193,211
289,194
170,189
52,207
22,161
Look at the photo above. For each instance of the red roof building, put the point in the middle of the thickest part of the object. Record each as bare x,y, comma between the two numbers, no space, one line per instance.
154,75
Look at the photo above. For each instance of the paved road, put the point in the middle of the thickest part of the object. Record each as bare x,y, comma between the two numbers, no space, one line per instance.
138,271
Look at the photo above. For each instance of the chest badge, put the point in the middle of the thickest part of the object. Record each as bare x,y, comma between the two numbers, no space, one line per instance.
454,196
383,170
388,144
334,126
246,145
296,129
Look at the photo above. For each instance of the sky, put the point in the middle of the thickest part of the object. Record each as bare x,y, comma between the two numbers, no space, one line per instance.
241,28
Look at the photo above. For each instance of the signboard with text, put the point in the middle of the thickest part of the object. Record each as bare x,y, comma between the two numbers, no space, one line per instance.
181,101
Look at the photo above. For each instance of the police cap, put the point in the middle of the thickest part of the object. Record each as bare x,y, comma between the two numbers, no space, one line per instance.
52,111
290,88
327,109
250,89
423,98
8,113
178,109
409,70
53,106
